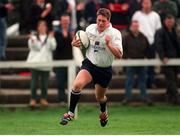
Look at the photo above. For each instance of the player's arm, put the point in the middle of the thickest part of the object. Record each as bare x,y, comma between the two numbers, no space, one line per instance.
115,50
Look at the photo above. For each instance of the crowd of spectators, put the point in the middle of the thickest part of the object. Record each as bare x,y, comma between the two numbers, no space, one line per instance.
153,35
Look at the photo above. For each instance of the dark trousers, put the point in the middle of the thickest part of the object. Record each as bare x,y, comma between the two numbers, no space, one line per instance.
61,78
141,74
150,69
171,74
2,37
44,77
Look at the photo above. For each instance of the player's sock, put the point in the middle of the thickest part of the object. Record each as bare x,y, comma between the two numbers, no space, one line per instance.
103,115
74,100
103,107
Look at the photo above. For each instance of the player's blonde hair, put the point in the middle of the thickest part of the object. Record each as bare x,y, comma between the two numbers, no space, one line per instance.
104,12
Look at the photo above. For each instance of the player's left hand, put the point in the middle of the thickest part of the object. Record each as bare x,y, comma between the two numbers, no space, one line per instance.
107,39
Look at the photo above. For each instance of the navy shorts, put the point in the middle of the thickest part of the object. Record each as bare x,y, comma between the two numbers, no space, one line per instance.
101,76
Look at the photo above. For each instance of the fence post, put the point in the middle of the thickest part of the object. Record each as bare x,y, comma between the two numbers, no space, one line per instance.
71,77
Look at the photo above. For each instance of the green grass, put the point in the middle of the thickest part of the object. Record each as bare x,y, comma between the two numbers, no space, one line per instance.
122,120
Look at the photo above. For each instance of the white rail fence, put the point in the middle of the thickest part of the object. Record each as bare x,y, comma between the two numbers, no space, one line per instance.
72,64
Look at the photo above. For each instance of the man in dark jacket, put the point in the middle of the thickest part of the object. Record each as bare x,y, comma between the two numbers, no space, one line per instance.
168,46
135,46
4,8
64,51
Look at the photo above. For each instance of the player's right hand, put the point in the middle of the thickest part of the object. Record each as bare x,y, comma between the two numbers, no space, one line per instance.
76,42
107,39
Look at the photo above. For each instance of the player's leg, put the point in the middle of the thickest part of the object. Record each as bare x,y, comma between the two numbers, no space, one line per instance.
102,99
83,78
101,78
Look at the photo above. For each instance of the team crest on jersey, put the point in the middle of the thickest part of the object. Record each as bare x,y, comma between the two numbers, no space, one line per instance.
96,46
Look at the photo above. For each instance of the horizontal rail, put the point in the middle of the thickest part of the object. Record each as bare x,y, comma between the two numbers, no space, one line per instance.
71,64
145,62
68,63
23,64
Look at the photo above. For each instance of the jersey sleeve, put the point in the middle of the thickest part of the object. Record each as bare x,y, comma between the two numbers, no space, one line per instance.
117,40
89,28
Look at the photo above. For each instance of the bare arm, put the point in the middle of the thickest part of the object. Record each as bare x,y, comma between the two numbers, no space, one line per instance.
47,10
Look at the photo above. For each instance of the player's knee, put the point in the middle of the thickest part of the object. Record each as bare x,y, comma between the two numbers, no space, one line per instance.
77,86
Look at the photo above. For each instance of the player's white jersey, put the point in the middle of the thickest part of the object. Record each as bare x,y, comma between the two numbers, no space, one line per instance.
98,53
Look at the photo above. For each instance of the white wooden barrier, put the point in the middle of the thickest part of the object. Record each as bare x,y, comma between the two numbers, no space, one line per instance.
145,62
72,64
22,64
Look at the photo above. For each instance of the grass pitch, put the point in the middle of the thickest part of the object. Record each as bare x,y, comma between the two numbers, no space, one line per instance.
122,120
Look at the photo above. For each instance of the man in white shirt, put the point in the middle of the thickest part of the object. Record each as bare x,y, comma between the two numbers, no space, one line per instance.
149,23
105,45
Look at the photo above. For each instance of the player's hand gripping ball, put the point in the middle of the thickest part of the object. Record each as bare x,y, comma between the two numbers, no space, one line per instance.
82,36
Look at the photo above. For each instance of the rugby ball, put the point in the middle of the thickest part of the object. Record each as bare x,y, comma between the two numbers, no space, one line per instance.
80,34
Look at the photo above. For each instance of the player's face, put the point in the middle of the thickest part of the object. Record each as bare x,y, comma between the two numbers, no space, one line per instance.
102,23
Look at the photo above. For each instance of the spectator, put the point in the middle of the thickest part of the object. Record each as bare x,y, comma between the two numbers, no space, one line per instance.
63,35
164,7
80,5
135,46
61,7
120,10
91,8
168,46
134,6
41,47
40,10
178,6
149,23
23,11
4,8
